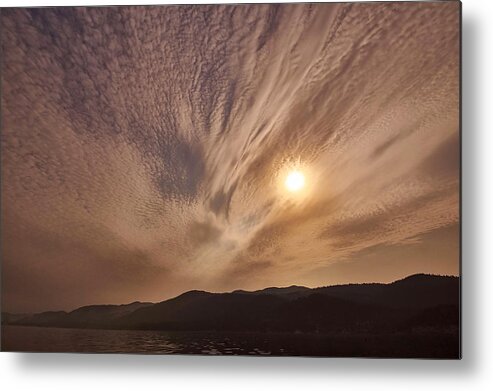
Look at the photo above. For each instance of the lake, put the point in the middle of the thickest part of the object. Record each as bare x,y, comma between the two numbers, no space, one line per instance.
44,339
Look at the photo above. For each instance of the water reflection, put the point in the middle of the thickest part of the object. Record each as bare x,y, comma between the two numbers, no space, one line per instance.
40,339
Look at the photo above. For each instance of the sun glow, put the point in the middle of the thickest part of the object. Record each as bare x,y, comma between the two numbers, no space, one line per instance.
295,181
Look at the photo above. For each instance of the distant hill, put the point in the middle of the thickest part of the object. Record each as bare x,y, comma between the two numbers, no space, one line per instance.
293,291
414,292
415,303
92,316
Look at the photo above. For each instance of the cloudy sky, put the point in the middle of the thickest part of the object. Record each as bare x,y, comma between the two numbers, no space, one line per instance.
144,149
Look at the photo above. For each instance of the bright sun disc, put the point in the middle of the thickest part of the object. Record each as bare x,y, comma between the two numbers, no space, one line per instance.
295,181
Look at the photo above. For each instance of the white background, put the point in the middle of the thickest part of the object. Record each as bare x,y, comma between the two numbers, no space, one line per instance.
473,372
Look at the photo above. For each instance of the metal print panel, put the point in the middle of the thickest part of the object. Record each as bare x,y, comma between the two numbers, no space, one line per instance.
269,179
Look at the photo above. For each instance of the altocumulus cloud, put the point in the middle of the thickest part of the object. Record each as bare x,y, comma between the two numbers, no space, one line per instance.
142,146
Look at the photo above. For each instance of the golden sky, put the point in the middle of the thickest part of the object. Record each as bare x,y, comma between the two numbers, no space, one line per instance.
145,149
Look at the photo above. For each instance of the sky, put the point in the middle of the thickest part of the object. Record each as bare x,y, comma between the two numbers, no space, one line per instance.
145,149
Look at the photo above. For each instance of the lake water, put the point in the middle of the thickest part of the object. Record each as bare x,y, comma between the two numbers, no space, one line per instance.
43,339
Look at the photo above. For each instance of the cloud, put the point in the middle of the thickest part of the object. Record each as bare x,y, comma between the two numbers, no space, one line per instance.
203,233
143,147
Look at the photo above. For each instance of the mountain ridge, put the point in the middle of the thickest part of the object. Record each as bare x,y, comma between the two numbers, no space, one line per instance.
413,302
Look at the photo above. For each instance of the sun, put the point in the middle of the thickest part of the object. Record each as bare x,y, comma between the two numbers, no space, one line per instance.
295,181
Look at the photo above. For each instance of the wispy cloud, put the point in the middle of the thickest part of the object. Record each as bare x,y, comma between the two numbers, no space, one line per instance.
142,147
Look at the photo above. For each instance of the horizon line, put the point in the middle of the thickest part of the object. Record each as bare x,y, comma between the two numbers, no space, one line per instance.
237,290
